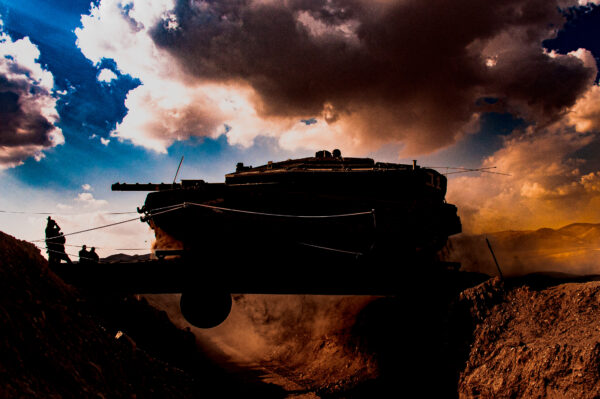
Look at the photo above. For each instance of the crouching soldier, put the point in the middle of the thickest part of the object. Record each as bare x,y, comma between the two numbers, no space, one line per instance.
55,243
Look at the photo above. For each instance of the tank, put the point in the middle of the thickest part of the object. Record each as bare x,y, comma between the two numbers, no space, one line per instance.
326,204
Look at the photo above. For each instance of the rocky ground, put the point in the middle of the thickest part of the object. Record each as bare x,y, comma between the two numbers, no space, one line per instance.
531,337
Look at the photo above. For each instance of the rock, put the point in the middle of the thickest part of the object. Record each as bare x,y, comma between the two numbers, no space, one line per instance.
532,342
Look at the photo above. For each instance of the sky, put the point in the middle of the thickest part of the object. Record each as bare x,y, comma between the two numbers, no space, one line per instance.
118,91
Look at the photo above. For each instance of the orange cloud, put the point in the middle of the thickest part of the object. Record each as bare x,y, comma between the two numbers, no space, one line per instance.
552,182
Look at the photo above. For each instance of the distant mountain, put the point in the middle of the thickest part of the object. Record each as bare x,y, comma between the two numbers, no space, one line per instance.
126,258
573,249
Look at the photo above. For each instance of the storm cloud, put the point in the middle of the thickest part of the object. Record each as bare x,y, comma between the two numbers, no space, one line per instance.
406,71
27,104
371,73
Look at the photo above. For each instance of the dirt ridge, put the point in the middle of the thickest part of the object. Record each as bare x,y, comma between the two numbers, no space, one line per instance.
532,340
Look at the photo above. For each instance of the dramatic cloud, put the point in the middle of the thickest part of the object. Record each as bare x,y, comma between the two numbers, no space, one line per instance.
27,104
554,170
555,178
371,73
585,115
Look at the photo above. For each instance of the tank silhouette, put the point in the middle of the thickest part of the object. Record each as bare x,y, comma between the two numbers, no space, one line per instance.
344,204
320,225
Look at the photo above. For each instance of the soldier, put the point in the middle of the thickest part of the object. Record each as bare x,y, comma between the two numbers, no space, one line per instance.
94,258
84,256
55,243
60,247
51,228
51,245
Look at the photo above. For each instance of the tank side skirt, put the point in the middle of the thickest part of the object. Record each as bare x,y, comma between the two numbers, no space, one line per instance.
309,273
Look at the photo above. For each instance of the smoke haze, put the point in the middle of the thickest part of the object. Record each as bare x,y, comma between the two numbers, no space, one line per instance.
307,338
572,249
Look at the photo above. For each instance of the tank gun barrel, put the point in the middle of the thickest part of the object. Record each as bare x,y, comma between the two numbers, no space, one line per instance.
143,187
156,186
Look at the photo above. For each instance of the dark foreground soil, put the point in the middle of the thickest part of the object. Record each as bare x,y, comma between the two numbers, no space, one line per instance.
57,343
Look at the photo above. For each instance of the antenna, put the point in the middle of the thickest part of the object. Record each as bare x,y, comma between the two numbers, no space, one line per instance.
176,173
494,256
465,170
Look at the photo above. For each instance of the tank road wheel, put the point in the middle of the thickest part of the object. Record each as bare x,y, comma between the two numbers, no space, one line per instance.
205,309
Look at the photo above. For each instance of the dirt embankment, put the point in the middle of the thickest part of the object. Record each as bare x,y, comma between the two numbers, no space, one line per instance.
531,337
55,342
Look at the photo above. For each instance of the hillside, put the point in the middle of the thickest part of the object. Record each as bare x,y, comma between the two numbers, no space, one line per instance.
56,342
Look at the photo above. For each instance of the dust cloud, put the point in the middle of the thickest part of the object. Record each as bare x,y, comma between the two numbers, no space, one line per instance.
307,339
163,241
572,249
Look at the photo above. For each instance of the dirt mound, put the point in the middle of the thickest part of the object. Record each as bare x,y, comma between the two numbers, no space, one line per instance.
126,258
49,347
531,339
57,342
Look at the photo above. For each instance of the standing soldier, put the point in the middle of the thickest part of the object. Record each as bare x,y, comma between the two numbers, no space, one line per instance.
84,256
94,256
51,245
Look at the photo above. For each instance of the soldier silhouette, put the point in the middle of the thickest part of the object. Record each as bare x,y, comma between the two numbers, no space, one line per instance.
51,228
55,243
84,256
94,256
